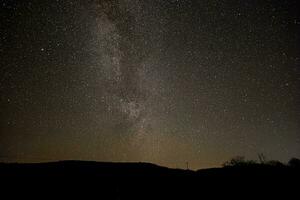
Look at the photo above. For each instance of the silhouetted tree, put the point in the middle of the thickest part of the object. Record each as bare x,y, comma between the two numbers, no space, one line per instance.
238,161
262,158
294,162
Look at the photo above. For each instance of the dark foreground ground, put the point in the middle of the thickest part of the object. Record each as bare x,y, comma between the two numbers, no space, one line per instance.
96,180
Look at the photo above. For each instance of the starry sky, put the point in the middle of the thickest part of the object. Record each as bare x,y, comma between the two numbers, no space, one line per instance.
166,82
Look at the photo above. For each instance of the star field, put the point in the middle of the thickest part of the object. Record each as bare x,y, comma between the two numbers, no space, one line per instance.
167,82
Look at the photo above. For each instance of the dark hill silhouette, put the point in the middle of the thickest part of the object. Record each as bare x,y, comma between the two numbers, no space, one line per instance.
88,168
150,181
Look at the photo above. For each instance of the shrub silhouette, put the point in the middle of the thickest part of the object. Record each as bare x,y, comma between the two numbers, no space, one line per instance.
275,163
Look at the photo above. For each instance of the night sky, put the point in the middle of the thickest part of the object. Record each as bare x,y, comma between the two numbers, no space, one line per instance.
161,81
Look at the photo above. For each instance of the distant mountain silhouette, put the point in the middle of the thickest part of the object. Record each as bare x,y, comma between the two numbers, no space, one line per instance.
150,181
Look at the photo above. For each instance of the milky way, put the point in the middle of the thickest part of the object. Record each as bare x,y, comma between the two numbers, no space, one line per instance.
167,82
